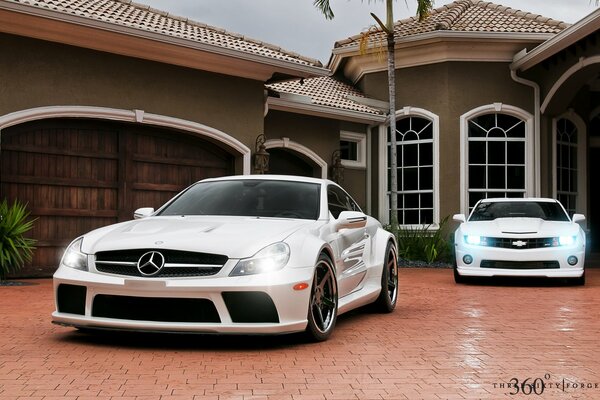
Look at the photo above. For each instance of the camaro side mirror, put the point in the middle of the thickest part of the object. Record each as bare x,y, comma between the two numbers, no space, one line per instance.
143,212
459,218
578,218
351,220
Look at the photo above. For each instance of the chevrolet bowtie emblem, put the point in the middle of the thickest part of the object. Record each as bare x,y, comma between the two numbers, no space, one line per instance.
519,243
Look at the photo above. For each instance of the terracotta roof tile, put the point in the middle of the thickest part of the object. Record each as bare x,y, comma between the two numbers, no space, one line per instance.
138,16
468,16
325,91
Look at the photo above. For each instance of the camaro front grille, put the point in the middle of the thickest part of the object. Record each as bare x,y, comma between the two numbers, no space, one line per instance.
520,243
519,264
176,263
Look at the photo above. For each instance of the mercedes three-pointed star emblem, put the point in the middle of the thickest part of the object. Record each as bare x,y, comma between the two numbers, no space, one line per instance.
151,263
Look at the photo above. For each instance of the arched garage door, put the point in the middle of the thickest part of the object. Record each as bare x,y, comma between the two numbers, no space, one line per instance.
78,175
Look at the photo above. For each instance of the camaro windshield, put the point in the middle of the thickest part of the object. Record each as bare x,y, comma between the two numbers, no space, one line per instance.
488,211
252,198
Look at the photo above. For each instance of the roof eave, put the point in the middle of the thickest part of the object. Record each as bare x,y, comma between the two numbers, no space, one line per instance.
339,53
318,110
276,65
560,41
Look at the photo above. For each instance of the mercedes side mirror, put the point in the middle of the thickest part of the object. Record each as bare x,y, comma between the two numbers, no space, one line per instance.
459,218
143,212
351,220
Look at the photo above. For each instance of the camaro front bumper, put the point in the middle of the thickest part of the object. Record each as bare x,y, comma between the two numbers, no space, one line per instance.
254,304
545,262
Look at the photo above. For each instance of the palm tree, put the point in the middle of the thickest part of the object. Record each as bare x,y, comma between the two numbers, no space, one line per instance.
423,8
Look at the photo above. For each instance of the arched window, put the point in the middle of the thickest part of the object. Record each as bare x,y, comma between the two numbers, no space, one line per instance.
496,157
566,164
416,159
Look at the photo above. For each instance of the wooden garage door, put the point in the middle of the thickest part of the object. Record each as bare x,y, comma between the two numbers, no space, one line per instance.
80,175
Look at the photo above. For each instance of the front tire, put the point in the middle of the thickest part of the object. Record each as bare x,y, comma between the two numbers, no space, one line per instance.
386,302
323,305
458,278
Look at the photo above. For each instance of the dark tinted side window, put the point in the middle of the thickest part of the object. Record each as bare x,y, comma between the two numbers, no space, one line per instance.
339,201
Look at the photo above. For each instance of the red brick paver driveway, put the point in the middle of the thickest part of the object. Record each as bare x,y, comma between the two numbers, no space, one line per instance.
443,341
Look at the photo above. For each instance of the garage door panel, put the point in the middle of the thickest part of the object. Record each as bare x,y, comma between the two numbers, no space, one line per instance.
78,175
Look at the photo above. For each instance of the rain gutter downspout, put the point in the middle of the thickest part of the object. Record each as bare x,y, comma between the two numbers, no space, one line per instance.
537,165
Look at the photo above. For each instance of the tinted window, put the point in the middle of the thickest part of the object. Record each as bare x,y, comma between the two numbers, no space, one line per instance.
253,198
487,211
339,201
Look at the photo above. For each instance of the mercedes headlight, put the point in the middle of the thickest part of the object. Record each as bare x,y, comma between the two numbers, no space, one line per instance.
269,259
74,257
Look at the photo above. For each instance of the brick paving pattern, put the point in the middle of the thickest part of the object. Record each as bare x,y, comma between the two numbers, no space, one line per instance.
444,341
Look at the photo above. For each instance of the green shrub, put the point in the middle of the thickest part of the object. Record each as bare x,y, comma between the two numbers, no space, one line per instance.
15,248
425,244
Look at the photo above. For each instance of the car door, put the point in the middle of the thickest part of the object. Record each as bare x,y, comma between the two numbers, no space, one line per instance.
351,245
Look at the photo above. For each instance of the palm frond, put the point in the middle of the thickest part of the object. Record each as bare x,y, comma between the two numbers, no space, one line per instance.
324,7
424,7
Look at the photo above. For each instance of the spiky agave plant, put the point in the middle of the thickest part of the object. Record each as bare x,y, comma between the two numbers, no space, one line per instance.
15,248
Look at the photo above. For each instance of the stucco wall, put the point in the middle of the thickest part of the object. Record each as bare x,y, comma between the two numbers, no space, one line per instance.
449,90
36,73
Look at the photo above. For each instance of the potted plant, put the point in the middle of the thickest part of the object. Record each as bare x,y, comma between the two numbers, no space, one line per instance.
15,248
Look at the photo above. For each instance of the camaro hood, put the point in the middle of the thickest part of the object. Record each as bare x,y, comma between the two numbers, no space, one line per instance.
503,227
235,237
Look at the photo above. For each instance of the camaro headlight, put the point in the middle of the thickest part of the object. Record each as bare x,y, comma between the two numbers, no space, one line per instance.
74,257
473,239
271,258
566,240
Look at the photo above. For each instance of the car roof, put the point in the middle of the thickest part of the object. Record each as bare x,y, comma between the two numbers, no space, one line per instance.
292,178
519,199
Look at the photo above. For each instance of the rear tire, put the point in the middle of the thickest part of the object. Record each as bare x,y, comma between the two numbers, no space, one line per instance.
323,303
388,297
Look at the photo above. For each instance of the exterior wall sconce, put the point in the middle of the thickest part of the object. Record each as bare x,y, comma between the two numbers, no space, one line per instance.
337,169
261,156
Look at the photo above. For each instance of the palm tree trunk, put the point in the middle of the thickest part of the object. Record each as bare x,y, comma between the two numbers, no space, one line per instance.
393,159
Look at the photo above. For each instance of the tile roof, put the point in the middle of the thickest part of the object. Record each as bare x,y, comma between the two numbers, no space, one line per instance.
467,16
325,91
138,16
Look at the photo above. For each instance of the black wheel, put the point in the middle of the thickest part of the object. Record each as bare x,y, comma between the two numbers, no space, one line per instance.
323,305
458,278
386,302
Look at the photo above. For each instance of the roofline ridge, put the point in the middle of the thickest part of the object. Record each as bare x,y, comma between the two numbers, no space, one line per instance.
525,14
236,35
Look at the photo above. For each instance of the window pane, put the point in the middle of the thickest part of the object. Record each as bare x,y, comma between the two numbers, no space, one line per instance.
411,217
427,217
496,152
516,177
515,152
476,152
410,153
348,150
427,200
426,153
477,177
474,197
573,157
496,133
426,177
411,201
411,181
496,178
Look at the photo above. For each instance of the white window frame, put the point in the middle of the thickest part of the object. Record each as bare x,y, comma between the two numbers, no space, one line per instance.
581,203
384,203
361,149
464,140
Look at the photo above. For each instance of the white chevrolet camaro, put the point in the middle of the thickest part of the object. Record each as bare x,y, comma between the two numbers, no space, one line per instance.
260,254
520,237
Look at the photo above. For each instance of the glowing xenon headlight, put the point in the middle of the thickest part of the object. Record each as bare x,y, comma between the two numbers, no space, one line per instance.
74,257
566,240
473,239
271,258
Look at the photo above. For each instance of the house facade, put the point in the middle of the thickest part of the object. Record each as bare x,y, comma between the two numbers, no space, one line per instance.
108,106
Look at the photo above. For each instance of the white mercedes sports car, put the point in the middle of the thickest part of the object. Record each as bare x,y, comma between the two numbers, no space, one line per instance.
520,237
245,254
